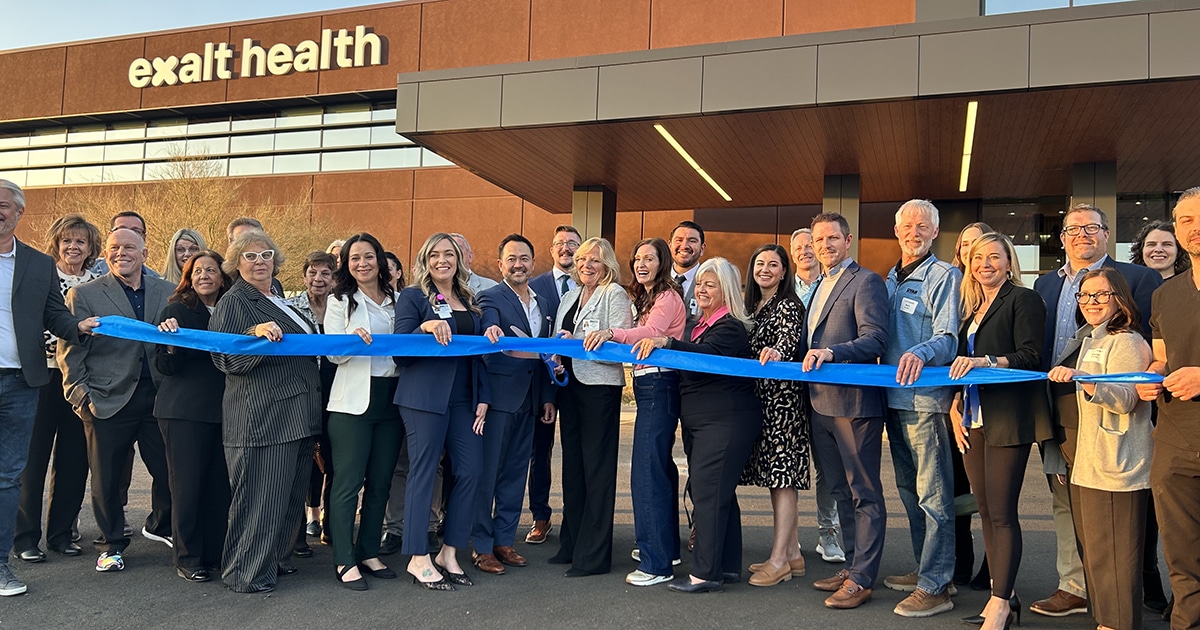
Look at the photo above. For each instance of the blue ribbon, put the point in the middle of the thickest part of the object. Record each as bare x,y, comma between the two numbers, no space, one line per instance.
465,345
1124,377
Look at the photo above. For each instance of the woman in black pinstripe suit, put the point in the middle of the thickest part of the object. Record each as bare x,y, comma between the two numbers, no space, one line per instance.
272,411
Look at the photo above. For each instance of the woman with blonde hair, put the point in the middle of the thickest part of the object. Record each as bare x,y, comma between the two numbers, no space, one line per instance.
590,412
723,418
183,245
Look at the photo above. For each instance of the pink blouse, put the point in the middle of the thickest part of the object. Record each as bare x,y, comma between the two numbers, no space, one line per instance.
666,317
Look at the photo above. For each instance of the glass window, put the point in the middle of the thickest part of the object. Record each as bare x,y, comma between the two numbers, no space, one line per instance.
1083,3
250,166
16,177
355,136
346,161
165,149
21,140
76,155
995,7
429,158
43,137
385,112
340,114
122,173
386,135
167,128
408,157
84,175
81,135
215,126
259,143
309,117
123,152
208,146
1033,225
40,157
160,170
298,163
9,159
249,124
126,131
45,177
297,140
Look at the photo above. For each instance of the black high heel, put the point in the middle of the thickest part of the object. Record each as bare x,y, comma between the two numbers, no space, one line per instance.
355,585
440,585
460,579
1014,606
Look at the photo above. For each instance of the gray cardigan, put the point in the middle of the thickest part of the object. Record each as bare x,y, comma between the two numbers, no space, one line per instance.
1114,446
611,308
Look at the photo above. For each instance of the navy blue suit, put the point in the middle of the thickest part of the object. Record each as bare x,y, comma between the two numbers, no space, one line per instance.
437,397
543,434
521,388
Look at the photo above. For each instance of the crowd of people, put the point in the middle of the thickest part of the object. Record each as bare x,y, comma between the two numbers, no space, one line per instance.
251,455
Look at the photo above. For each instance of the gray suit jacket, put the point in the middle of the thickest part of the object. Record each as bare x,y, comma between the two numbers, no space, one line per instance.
268,399
610,307
104,372
39,307
853,324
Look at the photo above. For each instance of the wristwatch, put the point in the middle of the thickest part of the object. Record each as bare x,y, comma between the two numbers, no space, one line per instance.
991,359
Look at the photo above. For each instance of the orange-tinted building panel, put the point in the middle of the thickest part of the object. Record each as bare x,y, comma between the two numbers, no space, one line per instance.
388,221
445,183
97,77
484,221
31,83
363,186
265,35
399,29
180,44
464,33
818,16
687,22
570,28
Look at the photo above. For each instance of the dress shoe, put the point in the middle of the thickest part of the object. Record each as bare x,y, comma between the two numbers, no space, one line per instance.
33,554
834,583
313,528
685,585
1060,604
488,563
384,573
391,544
731,577
538,533
509,556
768,575
359,584
303,552
69,549
127,530
850,595
286,570
574,572
75,535
797,567
193,575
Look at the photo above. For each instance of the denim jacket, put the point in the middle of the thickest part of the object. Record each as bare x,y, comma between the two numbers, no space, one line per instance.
923,319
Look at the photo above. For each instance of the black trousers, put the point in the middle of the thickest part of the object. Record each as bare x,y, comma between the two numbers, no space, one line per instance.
1175,482
590,416
199,491
109,441
1110,527
997,473
720,445
57,432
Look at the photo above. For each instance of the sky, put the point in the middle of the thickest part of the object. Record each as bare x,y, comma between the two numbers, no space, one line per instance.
41,22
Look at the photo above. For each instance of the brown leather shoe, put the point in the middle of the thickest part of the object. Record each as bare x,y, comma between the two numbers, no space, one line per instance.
797,567
1060,604
832,584
509,556
850,595
537,534
488,563
768,575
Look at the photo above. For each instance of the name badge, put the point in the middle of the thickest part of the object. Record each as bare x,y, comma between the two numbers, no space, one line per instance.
692,308
908,305
1096,355
589,326
443,311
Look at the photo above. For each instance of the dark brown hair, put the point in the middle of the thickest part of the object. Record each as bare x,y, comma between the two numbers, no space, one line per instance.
1183,262
185,292
1126,318
643,300
787,286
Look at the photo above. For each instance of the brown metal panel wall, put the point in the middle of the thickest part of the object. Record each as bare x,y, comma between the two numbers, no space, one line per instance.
570,28
179,44
401,26
31,83
465,33
817,16
268,34
97,77
686,22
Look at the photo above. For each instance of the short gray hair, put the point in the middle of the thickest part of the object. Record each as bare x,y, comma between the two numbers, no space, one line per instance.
466,244
801,231
243,242
925,205
17,193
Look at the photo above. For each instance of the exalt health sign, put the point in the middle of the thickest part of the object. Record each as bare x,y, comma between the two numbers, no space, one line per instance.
223,61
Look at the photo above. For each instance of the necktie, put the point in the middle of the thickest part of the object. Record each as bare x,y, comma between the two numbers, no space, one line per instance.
680,279
562,285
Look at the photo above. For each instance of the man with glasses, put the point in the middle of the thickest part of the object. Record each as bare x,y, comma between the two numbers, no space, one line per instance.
1084,238
552,285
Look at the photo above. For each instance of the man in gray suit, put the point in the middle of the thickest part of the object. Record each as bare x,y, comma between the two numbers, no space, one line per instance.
111,384
847,323
29,273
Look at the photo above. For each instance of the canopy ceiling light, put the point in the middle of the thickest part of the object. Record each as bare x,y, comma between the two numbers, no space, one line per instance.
679,148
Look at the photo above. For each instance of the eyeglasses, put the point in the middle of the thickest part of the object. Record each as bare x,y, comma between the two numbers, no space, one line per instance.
1099,297
1090,229
253,257
567,244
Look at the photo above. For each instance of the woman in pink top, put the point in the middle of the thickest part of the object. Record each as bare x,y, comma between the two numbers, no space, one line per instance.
658,303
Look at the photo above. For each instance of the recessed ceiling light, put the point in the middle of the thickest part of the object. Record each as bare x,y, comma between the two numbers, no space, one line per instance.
968,145
688,158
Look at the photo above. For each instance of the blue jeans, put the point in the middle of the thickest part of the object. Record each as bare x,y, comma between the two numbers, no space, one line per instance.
920,444
18,406
654,478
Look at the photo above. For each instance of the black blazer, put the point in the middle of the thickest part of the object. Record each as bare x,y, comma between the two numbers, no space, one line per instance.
268,399
38,306
512,380
1013,327
425,382
191,387
703,393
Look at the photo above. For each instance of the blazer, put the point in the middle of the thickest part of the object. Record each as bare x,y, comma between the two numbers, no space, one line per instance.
426,381
853,323
351,390
191,387
611,308
268,400
1013,327
39,308
104,372
544,286
513,380
702,393
1142,283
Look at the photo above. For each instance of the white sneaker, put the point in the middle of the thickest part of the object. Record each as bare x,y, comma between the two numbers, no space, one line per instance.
166,540
829,548
636,554
641,578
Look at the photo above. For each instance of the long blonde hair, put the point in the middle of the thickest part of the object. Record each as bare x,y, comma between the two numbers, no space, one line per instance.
424,281
972,291
607,256
730,282
173,272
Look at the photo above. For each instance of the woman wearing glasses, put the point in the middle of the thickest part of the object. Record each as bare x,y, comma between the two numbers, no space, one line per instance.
272,411
1110,477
